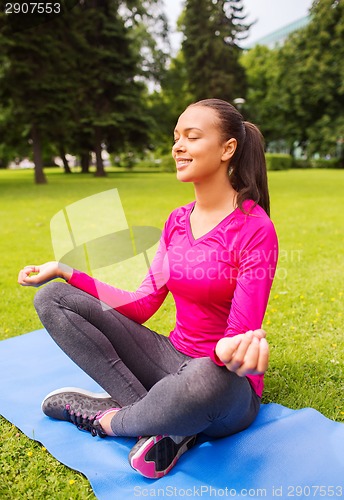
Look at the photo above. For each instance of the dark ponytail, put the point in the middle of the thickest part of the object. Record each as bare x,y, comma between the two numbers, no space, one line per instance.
247,169
248,176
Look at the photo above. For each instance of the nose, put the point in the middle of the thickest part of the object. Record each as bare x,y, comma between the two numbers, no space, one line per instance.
178,145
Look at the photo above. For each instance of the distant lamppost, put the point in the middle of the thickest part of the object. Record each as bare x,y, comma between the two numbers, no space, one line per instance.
239,103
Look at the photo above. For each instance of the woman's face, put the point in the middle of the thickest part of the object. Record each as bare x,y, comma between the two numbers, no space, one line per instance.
199,150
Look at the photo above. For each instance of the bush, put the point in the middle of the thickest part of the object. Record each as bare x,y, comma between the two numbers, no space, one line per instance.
301,163
323,163
167,163
278,161
147,164
318,163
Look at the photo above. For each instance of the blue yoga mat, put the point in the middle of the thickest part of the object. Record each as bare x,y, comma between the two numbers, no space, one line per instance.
284,454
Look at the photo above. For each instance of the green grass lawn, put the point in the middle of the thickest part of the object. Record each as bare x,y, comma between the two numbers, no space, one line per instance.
304,319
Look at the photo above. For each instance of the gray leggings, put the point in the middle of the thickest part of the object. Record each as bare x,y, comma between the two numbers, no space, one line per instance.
160,390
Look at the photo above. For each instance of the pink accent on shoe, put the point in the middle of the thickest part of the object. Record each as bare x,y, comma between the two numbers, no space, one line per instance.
168,451
102,414
147,469
108,430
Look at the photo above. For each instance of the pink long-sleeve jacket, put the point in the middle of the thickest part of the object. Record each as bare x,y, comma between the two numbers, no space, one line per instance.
220,282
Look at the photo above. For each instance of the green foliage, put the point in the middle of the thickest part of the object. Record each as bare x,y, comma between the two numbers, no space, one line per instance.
166,105
148,31
296,91
278,161
323,163
212,31
261,106
301,163
327,136
317,163
29,86
81,78
167,163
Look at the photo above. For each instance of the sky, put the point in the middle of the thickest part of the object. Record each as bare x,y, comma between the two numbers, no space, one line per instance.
270,15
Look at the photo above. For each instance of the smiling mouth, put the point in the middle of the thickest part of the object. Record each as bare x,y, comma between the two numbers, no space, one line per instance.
182,162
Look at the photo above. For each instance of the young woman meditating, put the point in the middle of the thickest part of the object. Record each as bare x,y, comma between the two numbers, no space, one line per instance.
217,256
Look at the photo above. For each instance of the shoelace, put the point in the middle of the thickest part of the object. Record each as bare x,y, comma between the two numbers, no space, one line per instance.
85,422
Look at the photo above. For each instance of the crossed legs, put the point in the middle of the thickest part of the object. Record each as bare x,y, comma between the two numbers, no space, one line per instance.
160,390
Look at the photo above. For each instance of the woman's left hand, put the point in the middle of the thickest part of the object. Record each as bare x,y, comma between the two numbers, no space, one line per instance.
244,354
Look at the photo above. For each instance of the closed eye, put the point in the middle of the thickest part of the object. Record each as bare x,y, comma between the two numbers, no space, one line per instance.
176,139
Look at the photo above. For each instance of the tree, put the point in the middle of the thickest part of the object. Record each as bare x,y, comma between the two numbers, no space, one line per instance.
80,78
147,26
116,60
212,32
29,80
167,103
261,106
36,82
296,91
323,48
14,143
311,80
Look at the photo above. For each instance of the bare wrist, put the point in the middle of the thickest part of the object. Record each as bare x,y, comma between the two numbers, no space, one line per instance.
65,272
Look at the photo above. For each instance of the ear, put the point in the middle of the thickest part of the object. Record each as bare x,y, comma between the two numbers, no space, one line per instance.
229,149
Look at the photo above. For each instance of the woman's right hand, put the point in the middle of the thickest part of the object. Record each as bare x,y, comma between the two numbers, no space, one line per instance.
39,275
244,354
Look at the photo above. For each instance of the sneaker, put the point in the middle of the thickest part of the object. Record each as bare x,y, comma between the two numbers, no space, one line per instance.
80,407
155,456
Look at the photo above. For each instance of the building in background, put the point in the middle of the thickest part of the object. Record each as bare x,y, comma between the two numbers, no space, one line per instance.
277,38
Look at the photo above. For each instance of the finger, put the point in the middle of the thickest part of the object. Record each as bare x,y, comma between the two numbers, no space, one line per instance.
263,360
28,270
260,334
32,269
239,355
250,362
226,347
22,276
26,276
24,280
